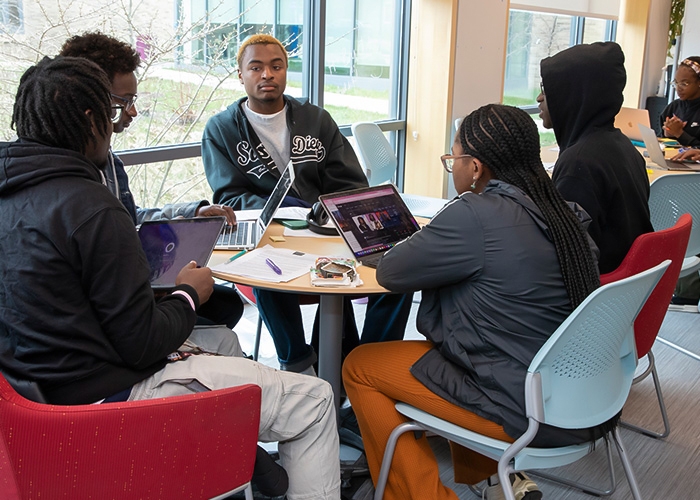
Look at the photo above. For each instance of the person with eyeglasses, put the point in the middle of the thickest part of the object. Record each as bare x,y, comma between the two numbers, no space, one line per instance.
598,167
120,61
499,269
680,120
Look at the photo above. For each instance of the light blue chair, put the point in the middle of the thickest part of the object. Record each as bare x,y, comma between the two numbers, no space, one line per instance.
580,378
379,161
670,197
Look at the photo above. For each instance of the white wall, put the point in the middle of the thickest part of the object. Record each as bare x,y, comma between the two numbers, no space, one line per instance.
690,39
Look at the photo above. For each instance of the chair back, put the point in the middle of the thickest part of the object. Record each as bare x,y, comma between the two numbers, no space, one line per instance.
582,375
672,196
376,154
194,446
647,251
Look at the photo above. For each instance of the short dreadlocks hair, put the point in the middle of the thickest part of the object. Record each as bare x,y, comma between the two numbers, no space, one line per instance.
52,99
505,139
110,54
260,39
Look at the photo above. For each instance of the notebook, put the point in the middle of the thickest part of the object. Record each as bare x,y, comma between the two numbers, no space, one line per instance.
627,120
247,233
657,155
371,220
170,245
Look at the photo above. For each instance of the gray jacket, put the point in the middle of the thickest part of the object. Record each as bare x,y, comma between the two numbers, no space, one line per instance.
492,294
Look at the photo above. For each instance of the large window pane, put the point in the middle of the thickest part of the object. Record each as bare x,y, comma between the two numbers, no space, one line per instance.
360,51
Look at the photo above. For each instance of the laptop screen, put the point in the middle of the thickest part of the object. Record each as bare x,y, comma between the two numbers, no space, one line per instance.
171,244
370,219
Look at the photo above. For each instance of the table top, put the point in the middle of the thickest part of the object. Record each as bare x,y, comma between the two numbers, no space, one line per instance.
327,246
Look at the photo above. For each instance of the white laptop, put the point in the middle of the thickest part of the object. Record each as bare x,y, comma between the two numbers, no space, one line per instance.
247,233
657,155
627,120
371,220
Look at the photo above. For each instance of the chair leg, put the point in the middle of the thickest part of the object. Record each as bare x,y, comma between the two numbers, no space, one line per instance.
581,486
662,406
624,457
249,492
258,332
389,455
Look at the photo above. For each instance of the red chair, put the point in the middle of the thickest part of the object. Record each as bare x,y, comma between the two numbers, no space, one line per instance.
195,446
647,251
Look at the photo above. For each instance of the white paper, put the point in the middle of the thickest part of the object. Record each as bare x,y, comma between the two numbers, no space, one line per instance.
293,213
253,264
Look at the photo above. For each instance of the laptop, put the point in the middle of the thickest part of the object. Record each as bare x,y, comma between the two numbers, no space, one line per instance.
170,245
627,120
657,155
248,233
371,220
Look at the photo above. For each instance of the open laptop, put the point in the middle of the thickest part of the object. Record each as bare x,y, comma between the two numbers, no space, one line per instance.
247,233
170,245
627,120
657,155
371,220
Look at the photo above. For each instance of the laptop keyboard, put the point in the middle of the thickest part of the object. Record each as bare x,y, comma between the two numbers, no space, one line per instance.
235,237
371,260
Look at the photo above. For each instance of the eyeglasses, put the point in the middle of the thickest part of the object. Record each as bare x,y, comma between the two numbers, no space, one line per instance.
128,102
448,161
116,112
542,88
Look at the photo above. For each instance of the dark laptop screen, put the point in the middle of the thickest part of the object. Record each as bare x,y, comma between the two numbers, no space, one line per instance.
371,219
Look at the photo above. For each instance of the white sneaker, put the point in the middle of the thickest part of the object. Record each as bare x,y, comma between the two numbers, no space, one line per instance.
524,488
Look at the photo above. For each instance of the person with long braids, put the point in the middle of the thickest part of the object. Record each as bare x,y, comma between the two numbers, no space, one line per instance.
500,268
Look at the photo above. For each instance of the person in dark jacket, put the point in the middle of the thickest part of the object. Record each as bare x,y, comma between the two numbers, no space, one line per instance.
681,119
77,312
509,261
247,146
598,167
120,61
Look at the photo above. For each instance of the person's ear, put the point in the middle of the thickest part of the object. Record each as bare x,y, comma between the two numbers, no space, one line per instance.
478,167
240,75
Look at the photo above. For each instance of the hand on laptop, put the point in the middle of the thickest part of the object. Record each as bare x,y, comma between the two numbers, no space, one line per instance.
198,278
217,211
688,155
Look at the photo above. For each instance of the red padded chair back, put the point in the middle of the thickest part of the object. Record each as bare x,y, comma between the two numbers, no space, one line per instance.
647,251
190,447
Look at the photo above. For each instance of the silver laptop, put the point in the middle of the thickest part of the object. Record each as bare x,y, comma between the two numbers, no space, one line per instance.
370,220
657,155
627,120
247,233
170,245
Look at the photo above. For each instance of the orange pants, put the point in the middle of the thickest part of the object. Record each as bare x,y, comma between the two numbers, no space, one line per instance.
376,376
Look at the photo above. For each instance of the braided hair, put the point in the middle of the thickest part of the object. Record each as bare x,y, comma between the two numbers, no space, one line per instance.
110,54
52,99
505,139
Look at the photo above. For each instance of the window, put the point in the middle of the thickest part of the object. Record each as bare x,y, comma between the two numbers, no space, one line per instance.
188,70
11,16
532,36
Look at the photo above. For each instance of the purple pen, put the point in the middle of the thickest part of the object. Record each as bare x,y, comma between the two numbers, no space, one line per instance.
273,266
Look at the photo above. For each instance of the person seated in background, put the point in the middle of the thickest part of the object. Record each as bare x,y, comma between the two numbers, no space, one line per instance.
77,312
509,261
120,61
598,167
246,147
680,120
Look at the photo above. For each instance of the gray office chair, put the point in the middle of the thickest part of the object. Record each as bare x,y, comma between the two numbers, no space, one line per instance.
379,161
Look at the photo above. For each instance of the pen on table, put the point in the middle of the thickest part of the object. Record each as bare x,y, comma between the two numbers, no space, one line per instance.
273,266
236,256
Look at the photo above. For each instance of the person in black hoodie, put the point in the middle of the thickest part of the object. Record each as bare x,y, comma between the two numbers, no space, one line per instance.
77,312
598,167
681,119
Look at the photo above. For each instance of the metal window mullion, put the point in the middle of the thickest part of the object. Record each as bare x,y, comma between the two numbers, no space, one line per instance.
314,51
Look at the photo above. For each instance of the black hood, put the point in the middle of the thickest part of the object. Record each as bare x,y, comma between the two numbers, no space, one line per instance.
583,86
25,163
